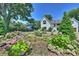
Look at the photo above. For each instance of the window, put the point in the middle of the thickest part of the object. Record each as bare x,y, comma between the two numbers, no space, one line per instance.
54,25
44,22
72,22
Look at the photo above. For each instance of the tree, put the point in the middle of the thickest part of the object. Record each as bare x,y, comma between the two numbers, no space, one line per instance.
1,27
48,16
66,26
35,23
74,13
31,20
8,11
17,26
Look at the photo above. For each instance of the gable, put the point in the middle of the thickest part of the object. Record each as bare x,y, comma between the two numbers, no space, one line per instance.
74,20
44,22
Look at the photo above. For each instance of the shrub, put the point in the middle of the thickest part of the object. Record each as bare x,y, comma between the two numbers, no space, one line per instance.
10,35
17,26
66,27
38,33
17,49
44,28
50,29
60,40
12,27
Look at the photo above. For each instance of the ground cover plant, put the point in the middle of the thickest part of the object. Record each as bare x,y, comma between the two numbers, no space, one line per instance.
60,40
20,48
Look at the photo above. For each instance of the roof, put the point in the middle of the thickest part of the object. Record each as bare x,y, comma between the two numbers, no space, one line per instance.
50,21
76,20
56,21
53,21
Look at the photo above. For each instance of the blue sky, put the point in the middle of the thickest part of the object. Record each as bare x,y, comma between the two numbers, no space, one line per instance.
55,9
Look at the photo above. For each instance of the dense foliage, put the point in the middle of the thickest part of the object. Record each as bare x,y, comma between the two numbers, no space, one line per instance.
49,17
2,31
17,26
66,27
9,11
36,24
74,13
60,40
20,48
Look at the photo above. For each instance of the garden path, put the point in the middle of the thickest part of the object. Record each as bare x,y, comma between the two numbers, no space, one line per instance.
39,48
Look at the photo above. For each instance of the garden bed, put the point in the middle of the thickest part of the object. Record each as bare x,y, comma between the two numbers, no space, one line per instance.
38,44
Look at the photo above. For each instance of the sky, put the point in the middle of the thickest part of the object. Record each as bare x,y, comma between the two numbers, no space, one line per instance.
54,9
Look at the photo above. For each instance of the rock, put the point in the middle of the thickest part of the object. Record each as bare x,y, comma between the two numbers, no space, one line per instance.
6,46
13,41
61,50
70,47
68,51
3,52
53,49
22,53
73,52
3,44
1,36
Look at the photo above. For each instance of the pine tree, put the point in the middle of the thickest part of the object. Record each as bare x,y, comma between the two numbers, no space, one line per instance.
66,26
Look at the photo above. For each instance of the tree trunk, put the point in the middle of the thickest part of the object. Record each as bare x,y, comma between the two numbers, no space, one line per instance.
6,24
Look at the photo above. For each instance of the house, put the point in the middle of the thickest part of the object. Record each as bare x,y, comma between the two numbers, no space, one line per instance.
46,23
75,24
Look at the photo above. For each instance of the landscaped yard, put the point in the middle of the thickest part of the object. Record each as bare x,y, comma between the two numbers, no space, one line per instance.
21,34
38,44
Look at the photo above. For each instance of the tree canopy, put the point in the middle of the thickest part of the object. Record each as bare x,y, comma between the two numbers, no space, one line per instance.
35,23
11,10
49,17
66,26
74,13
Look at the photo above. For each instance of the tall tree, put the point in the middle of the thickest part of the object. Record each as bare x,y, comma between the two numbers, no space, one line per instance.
8,11
74,13
48,16
66,26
